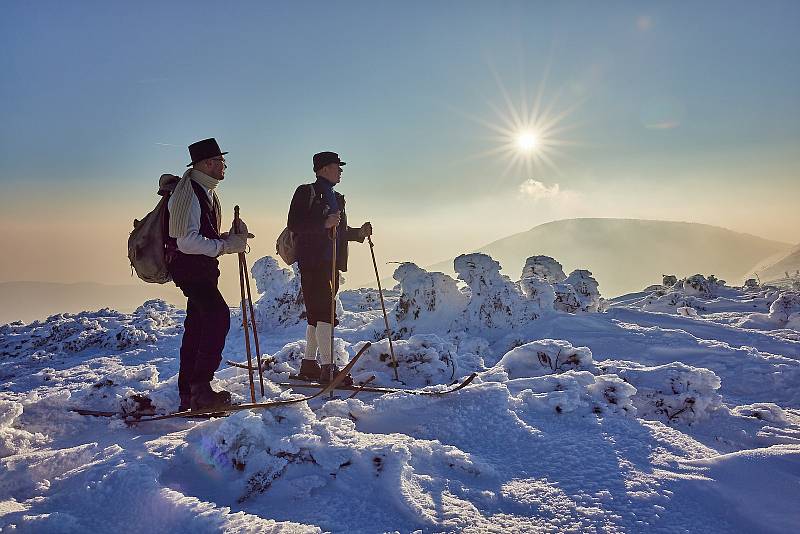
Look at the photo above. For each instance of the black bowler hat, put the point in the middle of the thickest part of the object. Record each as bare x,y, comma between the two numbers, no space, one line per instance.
207,148
326,158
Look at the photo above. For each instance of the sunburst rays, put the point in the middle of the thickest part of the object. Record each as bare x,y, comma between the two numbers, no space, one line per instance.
528,132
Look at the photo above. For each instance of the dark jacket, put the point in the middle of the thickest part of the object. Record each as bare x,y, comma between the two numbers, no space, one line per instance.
188,268
314,244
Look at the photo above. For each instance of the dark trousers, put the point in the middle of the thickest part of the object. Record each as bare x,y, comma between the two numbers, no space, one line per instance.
315,282
208,320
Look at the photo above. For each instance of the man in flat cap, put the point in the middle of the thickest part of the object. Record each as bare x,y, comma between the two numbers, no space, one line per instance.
315,212
194,243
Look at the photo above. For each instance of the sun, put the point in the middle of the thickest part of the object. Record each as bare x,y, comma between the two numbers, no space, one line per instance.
527,141
528,131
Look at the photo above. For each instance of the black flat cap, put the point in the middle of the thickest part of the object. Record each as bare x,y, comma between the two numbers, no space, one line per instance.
326,158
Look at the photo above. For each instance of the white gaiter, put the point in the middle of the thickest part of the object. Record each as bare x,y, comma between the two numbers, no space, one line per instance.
311,343
324,332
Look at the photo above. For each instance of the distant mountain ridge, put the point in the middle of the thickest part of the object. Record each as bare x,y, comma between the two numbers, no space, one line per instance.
789,263
28,301
626,255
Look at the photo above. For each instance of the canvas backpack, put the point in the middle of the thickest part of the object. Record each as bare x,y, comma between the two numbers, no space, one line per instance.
286,244
147,242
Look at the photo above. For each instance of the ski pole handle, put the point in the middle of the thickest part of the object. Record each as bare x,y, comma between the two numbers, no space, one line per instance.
236,218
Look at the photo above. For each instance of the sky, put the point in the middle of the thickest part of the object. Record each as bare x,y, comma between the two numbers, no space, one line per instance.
659,110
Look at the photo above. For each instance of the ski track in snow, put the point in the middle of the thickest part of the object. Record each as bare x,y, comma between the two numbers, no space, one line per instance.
671,410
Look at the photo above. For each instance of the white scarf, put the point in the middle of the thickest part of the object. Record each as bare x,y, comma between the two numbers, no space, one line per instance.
182,201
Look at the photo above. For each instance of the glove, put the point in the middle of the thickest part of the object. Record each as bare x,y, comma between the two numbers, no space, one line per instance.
234,243
366,230
242,229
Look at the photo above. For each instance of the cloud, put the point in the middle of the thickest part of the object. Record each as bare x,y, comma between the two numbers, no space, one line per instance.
665,125
536,190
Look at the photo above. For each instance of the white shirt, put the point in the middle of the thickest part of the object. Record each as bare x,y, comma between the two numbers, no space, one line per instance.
193,242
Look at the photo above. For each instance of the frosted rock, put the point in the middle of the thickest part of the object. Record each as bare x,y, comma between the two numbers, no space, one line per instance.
367,299
544,267
544,357
699,285
566,298
576,391
539,291
103,329
281,303
672,393
423,360
428,303
671,302
495,301
785,311
586,290
765,411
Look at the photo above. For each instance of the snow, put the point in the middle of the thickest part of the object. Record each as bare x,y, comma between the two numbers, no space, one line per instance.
675,409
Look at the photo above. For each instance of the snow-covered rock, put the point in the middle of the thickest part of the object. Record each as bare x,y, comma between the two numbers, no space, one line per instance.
73,333
764,411
539,291
429,302
367,299
495,302
542,357
307,456
281,303
15,440
576,391
784,312
544,267
670,302
423,360
671,393
586,290
700,285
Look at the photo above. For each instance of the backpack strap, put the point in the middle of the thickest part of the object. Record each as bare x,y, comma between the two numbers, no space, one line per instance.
311,197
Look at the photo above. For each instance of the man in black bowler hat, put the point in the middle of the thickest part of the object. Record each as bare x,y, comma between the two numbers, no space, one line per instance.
194,243
315,210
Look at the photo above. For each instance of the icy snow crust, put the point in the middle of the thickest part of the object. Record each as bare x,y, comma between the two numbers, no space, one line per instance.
675,409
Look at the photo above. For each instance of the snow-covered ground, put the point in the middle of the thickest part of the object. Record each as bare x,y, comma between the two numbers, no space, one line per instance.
676,409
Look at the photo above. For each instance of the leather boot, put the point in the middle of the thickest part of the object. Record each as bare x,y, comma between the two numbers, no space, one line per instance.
329,371
186,402
203,397
309,370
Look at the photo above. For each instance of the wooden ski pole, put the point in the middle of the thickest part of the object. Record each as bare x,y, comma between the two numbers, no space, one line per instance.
255,331
383,307
333,299
244,313
252,313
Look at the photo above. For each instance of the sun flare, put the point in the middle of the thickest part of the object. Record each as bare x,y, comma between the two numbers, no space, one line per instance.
527,141
527,131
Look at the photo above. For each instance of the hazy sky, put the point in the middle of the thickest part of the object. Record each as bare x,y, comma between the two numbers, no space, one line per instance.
665,110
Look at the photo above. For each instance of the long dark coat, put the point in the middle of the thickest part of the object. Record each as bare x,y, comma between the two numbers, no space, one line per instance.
314,244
